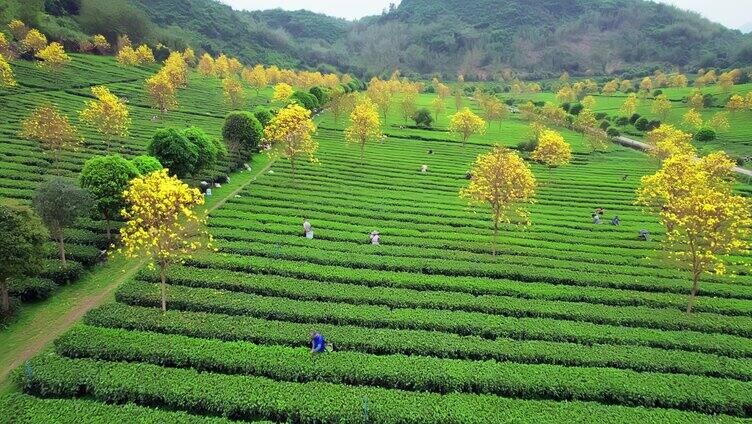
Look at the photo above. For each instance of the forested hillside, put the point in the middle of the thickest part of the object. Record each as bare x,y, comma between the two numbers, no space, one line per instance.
478,38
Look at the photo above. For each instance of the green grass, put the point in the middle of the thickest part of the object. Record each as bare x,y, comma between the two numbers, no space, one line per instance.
570,322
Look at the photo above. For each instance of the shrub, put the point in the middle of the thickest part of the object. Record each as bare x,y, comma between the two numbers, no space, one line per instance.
264,116
657,93
59,274
174,151
146,164
653,125
321,94
242,131
307,100
576,108
566,106
601,115
32,289
605,125
634,118
528,146
705,134
207,149
423,118
613,132
622,121
641,124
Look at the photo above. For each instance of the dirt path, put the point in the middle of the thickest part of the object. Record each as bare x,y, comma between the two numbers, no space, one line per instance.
625,141
51,331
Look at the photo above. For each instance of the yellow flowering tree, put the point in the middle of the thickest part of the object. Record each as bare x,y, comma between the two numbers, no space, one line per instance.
4,45
364,126
692,119
189,57
380,93
256,77
233,92
438,106
661,107
696,100
629,107
552,150
565,94
667,141
144,54
161,222
736,103
282,92
222,66
18,29
719,122
626,85
51,129
646,85
443,91
588,102
126,56
106,114
33,42
494,110
585,121
101,44
53,56
206,65
596,139
161,92
465,123
341,103
502,180
704,219
290,134
7,79
176,69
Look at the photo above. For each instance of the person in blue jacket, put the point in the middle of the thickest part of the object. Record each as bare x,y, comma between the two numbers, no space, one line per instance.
318,344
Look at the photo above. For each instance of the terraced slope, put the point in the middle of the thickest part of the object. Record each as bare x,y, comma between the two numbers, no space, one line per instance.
571,322
24,165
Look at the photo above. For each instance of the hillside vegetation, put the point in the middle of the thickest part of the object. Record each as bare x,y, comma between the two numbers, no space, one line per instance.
478,38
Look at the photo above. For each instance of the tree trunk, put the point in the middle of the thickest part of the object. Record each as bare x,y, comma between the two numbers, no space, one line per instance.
5,297
61,246
495,236
695,289
292,166
163,284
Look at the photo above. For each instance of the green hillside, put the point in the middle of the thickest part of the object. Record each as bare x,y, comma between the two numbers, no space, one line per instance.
537,38
26,165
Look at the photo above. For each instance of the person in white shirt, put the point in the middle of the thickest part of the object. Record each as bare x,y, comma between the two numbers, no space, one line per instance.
375,238
307,229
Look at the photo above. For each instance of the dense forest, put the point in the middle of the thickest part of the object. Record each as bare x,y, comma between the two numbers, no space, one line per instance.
477,38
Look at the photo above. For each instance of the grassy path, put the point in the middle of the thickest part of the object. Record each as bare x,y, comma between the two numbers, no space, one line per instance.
39,324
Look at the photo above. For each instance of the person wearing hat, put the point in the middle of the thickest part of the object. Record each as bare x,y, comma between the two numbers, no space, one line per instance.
375,238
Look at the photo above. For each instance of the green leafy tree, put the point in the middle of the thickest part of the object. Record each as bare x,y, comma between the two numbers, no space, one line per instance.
174,151
242,132
106,177
22,237
59,204
209,150
146,164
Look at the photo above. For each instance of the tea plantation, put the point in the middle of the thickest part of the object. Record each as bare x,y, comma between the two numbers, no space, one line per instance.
569,322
